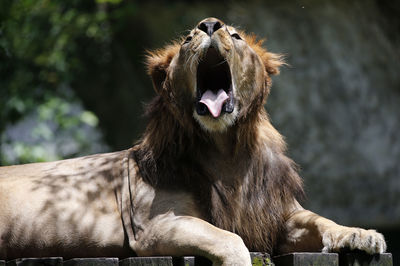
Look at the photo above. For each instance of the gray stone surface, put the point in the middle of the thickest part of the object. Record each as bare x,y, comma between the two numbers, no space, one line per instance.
258,259
53,261
147,261
337,104
92,262
307,259
360,259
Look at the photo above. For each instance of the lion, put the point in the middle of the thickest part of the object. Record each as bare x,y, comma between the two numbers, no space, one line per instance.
209,177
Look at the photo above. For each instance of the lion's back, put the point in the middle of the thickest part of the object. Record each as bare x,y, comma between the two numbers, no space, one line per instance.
63,204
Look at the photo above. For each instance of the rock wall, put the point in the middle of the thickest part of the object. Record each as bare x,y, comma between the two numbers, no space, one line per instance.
338,103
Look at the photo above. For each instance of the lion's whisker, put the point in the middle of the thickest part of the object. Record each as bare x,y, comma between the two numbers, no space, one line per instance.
220,63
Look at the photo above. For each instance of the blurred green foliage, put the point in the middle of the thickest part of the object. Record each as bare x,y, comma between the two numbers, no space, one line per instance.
40,59
66,64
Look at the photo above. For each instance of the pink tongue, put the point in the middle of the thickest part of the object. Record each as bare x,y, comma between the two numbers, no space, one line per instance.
214,101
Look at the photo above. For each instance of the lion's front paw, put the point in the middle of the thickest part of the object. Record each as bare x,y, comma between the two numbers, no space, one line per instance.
340,237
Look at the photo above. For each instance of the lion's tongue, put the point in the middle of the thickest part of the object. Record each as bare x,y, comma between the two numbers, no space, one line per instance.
214,101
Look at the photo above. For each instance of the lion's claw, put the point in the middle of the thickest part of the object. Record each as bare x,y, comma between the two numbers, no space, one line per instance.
353,238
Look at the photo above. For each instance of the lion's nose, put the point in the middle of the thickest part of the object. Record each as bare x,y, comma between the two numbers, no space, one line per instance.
210,26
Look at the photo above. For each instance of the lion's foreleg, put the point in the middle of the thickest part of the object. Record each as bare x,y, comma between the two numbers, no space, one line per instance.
185,235
307,231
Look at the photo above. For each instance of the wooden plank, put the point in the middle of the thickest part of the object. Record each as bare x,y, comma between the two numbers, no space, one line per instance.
307,259
51,261
147,261
361,259
261,259
257,258
92,262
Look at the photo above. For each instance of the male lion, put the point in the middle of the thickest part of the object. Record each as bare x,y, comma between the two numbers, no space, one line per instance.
209,177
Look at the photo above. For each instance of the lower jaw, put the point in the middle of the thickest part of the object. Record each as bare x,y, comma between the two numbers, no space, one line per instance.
219,124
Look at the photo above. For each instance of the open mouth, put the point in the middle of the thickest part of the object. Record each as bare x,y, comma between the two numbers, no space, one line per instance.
214,85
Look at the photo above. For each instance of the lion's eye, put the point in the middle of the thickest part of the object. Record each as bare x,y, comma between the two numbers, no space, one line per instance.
236,36
188,39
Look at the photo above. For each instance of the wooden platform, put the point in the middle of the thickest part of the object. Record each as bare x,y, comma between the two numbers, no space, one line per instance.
258,259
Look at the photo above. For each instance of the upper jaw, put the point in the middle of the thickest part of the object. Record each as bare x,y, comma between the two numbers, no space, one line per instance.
214,87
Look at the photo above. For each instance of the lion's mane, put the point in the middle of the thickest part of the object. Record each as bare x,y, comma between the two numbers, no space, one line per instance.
170,155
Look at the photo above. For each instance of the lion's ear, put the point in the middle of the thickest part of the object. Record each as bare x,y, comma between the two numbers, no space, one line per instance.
271,61
158,62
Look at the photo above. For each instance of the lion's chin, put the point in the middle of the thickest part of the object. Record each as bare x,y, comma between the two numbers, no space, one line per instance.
220,124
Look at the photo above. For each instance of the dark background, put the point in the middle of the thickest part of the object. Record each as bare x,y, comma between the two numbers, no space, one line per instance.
73,82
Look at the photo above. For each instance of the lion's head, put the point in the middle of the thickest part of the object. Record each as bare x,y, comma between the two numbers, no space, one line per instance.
216,74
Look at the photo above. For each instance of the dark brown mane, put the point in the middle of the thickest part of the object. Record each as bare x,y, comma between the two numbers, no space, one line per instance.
254,205
252,199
